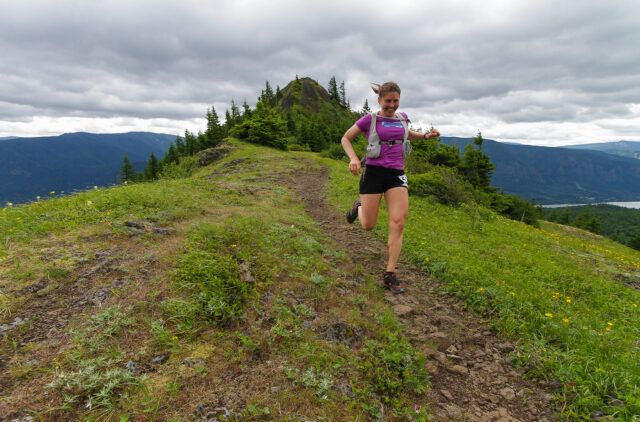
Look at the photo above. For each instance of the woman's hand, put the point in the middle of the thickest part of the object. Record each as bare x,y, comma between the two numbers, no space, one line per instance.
433,134
355,166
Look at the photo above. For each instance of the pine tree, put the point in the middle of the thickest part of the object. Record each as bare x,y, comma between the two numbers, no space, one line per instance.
478,140
267,98
583,220
190,142
180,146
342,96
365,107
553,216
246,113
333,89
235,114
152,169
214,132
564,218
476,165
127,172
634,242
171,156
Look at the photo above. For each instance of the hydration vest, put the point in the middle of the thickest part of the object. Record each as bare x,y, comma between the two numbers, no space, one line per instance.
374,144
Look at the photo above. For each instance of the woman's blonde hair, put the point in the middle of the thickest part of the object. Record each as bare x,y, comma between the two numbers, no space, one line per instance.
381,90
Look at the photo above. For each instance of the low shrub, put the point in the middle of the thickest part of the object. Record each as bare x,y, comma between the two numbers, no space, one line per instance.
442,183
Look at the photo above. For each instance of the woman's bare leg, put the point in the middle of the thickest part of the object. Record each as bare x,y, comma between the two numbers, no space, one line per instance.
368,210
398,206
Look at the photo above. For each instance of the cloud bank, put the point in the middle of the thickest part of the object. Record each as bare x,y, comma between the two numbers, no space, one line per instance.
537,72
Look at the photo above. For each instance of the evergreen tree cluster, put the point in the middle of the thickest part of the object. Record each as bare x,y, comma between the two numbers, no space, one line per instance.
617,223
299,118
452,177
188,145
338,95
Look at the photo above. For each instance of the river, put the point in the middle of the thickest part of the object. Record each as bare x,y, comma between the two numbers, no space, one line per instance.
635,205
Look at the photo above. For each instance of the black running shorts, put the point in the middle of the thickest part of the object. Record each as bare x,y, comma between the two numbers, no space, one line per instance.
376,179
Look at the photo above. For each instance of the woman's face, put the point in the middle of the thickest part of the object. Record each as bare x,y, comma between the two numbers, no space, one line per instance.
389,103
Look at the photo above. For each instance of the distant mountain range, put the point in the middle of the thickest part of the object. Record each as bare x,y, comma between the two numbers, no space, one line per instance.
551,175
629,149
31,167
606,172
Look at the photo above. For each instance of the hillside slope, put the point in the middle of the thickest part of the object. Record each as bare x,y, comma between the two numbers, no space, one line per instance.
240,291
31,167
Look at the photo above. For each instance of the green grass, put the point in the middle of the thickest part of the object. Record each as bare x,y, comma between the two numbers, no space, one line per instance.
191,304
555,291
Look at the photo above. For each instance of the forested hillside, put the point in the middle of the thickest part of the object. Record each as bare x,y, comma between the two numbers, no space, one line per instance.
558,175
31,167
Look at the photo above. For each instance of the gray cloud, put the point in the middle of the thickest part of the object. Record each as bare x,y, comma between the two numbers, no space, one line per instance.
521,69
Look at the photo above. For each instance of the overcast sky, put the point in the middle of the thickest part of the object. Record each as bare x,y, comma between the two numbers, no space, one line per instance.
537,72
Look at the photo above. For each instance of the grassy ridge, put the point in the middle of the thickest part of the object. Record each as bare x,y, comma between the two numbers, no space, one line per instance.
255,345
556,291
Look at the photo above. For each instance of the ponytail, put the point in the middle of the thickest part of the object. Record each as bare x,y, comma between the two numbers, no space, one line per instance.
381,90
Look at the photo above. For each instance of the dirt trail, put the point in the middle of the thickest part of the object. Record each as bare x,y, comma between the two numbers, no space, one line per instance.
471,376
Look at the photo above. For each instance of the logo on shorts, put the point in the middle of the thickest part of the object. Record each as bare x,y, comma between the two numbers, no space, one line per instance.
403,179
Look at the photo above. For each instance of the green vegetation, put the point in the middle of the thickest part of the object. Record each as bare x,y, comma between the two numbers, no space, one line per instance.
564,296
245,286
617,223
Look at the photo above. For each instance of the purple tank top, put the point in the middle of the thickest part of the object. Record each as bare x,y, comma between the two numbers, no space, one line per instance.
388,130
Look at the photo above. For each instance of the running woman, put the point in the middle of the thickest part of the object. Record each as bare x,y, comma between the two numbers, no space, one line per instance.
384,175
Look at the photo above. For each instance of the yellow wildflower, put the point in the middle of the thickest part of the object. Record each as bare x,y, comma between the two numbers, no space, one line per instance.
548,315
565,320
52,192
234,245
426,259
480,289
610,324
568,300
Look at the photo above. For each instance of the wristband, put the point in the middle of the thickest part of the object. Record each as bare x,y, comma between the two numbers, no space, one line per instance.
424,136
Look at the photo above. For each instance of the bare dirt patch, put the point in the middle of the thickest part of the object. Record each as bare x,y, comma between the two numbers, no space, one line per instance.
472,377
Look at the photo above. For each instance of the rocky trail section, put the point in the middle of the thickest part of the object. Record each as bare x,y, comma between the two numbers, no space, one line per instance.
472,377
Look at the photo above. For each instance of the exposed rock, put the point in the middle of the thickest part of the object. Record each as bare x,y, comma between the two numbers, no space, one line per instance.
98,295
209,155
244,272
507,393
164,232
506,347
437,335
402,310
134,225
458,369
452,349
435,355
453,411
455,357
340,332
447,394
36,286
